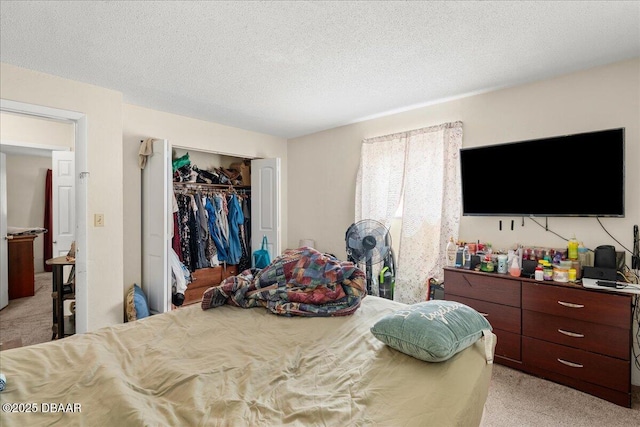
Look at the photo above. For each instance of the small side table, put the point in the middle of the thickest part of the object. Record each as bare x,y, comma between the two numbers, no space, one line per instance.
59,295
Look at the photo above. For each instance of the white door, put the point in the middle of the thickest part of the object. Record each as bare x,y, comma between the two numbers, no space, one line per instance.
4,260
157,224
64,201
265,205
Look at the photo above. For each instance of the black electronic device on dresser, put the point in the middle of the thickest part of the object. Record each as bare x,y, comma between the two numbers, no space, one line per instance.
605,257
562,332
604,264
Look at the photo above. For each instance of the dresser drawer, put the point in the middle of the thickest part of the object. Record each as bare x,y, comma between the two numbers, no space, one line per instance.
482,287
597,338
508,345
504,320
193,295
229,270
499,316
212,276
204,278
591,306
578,364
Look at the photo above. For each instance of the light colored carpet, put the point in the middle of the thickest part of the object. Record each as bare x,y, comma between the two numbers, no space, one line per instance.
29,318
518,399
515,398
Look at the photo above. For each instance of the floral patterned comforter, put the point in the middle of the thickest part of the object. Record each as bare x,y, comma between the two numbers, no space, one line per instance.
300,282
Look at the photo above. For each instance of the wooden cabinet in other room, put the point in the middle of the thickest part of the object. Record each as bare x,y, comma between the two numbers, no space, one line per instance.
20,271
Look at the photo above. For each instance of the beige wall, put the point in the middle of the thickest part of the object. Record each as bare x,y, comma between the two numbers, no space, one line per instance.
600,98
103,109
26,176
142,123
31,131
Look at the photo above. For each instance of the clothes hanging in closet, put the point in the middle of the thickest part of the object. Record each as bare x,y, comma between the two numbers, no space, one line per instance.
245,238
184,231
212,229
197,254
235,219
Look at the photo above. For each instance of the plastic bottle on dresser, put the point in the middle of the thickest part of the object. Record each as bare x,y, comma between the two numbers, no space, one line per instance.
514,268
573,248
466,257
547,270
502,263
510,254
583,255
575,266
539,273
452,250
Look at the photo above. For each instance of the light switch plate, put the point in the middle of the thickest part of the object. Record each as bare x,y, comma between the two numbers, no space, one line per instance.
98,220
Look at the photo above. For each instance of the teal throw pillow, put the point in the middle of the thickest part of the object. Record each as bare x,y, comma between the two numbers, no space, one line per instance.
432,331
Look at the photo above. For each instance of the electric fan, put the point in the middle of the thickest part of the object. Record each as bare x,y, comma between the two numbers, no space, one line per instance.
368,241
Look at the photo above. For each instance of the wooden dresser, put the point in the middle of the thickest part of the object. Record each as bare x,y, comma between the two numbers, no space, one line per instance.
204,278
563,332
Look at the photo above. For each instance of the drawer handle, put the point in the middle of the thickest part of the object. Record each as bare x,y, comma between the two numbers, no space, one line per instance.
573,365
571,305
571,334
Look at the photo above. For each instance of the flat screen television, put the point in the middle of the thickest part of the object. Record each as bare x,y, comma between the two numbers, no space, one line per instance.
571,175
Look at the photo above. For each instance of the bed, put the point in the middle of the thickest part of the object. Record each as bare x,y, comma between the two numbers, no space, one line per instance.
232,366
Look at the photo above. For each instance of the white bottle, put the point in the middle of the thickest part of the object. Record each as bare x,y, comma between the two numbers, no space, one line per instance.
452,250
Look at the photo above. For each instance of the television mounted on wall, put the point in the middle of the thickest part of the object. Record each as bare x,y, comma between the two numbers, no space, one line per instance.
579,175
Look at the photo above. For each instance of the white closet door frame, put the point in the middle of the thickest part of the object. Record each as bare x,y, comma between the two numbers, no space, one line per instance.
157,224
4,247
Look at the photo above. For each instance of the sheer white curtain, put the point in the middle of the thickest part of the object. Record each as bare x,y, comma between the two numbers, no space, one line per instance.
424,163
379,181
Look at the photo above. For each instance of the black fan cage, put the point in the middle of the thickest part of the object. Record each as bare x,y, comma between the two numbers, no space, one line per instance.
368,241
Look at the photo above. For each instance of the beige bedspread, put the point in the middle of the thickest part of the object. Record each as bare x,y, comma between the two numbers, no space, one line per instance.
230,366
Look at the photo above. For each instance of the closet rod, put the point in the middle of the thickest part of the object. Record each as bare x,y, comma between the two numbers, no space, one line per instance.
205,186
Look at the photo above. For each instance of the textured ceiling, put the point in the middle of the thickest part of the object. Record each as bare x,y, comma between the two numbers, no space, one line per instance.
294,68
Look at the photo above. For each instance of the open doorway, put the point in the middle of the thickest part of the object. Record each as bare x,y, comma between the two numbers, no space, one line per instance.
29,145
19,139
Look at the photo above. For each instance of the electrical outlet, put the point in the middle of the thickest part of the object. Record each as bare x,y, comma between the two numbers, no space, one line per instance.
98,220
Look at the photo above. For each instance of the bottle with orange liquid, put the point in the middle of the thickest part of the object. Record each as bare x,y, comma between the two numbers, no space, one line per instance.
514,268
